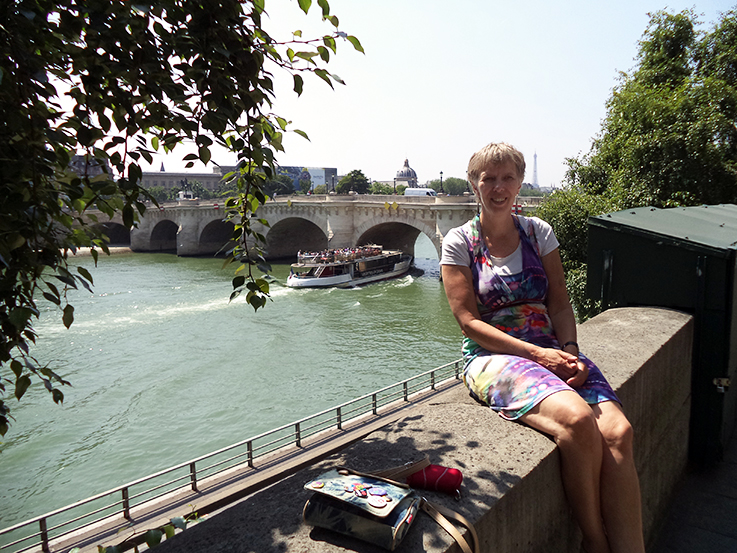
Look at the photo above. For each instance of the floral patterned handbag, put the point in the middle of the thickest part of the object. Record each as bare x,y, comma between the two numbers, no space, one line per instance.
373,509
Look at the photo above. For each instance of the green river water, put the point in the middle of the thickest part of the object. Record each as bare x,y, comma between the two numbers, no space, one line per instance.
164,369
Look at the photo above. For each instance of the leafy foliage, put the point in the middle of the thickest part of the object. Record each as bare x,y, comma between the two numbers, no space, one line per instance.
669,138
115,82
381,188
355,181
279,184
453,186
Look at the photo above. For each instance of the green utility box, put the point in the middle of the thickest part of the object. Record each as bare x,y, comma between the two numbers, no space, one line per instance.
681,258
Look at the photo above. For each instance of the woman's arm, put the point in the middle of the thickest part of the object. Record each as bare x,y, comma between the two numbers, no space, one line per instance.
561,313
458,282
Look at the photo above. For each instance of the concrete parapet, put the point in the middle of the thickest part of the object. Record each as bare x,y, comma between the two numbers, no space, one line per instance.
512,490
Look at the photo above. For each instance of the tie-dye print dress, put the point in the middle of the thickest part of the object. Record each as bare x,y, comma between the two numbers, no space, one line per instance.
515,304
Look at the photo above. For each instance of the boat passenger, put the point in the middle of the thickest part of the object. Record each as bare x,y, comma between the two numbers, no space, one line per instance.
504,281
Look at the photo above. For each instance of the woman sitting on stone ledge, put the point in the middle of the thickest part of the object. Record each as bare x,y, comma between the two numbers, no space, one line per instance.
504,281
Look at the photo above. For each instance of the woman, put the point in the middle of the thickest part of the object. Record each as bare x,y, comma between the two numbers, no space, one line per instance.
505,284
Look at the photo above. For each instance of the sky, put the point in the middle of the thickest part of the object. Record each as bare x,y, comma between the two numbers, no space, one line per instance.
440,79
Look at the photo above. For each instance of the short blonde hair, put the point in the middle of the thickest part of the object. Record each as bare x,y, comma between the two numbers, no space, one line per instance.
495,153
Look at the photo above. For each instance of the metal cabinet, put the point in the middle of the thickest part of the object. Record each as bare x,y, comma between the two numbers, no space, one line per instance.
681,258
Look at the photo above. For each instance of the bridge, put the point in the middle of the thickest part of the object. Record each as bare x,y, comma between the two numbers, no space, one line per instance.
307,223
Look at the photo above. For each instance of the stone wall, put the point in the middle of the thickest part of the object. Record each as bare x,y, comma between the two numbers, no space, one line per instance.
512,490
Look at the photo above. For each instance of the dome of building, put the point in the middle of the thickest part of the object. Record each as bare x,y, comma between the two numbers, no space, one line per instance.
406,172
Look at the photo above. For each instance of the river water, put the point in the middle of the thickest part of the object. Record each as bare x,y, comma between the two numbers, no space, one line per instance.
164,369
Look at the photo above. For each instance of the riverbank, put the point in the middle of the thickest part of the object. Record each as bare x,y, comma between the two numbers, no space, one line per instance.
86,252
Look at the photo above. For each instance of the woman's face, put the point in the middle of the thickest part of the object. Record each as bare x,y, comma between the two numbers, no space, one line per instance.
498,187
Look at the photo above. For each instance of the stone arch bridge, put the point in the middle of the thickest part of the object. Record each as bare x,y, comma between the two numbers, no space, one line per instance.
307,223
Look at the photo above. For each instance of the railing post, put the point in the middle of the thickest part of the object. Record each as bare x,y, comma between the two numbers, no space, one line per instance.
404,390
193,476
126,504
340,418
249,446
432,380
44,536
373,404
297,435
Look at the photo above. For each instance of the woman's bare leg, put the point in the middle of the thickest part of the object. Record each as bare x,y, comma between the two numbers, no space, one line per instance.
621,506
570,421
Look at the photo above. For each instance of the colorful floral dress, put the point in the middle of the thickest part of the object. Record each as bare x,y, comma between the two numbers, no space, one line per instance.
515,304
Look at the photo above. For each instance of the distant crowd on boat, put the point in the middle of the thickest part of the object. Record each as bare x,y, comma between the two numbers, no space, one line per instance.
345,254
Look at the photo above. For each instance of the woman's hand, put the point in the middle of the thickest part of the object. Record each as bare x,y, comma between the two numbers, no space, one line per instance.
565,366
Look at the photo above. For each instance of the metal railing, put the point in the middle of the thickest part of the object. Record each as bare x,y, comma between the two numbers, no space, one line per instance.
40,531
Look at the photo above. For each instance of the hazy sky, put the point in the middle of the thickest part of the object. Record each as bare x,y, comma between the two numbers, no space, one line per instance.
441,79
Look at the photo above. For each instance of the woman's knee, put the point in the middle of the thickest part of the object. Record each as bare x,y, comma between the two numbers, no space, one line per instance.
618,435
579,426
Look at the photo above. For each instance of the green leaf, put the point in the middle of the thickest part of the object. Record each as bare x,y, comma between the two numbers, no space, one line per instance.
19,316
305,5
57,396
85,273
298,84
238,281
15,241
21,385
179,522
52,298
68,316
169,531
356,43
17,367
153,537
204,154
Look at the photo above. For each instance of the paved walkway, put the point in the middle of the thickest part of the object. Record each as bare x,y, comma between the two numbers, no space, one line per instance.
703,517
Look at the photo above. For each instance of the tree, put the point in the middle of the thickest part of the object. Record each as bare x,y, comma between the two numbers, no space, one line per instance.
380,188
114,82
279,184
355,181
199,190
668,139
452,186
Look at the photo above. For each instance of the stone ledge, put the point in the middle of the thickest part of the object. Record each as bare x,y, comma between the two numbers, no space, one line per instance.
512,491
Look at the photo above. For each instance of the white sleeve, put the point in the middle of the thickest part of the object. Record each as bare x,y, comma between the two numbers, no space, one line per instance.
455,249
545,235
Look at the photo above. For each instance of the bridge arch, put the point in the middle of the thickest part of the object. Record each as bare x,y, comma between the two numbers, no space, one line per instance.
291,234
215,236
118,234
164,236
399,233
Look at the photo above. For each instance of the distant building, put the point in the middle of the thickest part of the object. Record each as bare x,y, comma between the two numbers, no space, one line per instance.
211,181
167,179
406,175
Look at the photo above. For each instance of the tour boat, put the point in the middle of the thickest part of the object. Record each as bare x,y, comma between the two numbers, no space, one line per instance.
347,267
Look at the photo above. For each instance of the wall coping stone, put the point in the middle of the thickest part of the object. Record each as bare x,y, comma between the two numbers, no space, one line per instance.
512,490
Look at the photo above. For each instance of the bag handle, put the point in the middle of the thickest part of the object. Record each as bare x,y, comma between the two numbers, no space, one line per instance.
403,471
346,471
439,514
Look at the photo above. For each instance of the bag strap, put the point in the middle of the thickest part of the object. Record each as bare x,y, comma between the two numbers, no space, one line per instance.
403,471
440,514
376,476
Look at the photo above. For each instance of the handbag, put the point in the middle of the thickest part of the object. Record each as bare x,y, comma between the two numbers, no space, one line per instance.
374,509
